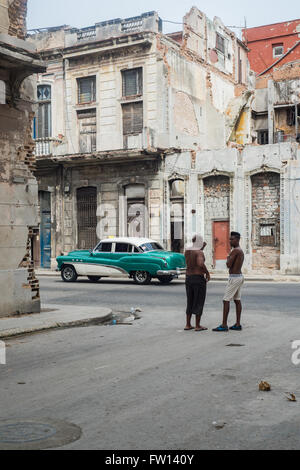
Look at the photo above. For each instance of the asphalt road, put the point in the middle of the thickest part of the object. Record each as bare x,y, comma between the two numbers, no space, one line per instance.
152,385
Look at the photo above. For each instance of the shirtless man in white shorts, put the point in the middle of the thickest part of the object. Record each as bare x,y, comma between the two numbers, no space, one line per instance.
236,281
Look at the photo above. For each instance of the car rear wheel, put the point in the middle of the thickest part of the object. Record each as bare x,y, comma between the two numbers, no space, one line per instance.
69,274
94,278
142,277
165,279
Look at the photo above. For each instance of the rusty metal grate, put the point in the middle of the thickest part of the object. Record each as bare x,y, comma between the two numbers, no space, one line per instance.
87,218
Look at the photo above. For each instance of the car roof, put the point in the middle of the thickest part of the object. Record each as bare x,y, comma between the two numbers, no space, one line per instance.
132,240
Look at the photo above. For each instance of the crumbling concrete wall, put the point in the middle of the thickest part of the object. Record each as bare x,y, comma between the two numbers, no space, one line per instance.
19,289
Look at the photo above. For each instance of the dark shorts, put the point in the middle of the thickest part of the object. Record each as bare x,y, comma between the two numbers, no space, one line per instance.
196,294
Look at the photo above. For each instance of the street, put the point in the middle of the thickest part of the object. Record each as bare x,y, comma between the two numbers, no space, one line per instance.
150,385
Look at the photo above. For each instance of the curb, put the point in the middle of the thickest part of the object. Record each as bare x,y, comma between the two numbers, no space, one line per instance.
216,277
13,332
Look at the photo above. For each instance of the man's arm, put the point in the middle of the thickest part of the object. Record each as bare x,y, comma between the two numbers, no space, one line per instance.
231,258
201,264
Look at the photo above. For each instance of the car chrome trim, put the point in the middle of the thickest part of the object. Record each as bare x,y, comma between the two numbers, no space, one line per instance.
172,272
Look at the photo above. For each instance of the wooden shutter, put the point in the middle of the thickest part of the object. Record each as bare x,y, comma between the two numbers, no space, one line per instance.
87,131
133,82
86,90
44,120
133,118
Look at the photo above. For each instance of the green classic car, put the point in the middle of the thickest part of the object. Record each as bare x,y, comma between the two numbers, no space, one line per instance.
138,258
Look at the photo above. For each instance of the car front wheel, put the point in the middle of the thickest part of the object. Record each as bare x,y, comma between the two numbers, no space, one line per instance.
94,278
142,277
68,274
165,279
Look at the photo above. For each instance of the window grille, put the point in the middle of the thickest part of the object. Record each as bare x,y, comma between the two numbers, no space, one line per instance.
278,50
87,218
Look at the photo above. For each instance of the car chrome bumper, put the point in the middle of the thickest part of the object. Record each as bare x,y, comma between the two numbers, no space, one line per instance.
172,272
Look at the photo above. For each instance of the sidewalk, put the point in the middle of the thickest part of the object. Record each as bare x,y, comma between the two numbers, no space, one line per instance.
52,317
214,276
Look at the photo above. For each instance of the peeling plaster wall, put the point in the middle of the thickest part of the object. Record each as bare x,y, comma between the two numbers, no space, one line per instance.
4,19
19,289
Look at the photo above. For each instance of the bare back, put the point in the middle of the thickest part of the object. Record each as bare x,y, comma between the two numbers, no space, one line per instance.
195,262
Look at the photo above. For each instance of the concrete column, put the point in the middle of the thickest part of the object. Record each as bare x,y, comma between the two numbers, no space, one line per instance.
271,111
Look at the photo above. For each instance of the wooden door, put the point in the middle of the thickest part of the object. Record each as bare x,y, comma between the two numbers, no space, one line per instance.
221,244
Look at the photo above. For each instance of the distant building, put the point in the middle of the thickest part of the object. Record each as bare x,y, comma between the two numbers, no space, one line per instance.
160,129
19,222
272,45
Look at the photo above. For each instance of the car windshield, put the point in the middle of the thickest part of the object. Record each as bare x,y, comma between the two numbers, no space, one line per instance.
151,247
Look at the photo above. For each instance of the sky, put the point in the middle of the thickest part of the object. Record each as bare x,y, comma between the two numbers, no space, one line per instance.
81,13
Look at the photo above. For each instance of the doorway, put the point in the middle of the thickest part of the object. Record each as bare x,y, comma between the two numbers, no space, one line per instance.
45,229
221,244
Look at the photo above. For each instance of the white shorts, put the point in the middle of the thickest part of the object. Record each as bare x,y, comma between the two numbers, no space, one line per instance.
234,287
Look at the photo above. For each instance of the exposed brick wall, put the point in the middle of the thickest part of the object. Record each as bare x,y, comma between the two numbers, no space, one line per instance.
28,263
265,209
17,12
216,206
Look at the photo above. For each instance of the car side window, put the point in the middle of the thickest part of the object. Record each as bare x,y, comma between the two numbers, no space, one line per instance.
104,248
123,248
136,250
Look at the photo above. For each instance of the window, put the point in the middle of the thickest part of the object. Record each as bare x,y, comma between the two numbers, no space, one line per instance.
2,92
220,43
267,234
104,248
86,90
132,82
87,130
123,248
151,247
291,116
278,50
263,137
132,118
43,126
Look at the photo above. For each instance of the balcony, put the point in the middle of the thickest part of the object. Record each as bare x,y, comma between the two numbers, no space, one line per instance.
46,146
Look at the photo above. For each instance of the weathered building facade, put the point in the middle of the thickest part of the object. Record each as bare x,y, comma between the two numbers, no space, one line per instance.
141,133
19,224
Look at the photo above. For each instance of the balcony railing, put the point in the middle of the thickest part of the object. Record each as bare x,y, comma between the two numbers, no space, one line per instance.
46,146
280,137
86,33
